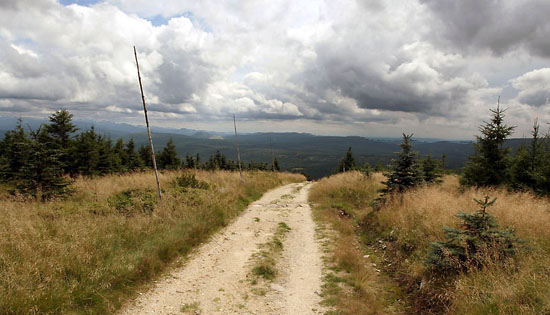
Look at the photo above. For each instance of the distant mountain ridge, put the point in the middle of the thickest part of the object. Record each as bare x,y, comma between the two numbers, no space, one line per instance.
318,156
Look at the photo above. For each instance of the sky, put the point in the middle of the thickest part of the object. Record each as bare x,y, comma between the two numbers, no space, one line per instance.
375,68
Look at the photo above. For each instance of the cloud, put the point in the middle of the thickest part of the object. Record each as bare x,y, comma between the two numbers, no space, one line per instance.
533,87
83,55
499,26
366,65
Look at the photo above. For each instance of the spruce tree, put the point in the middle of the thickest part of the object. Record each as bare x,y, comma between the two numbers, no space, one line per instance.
431,170
105,164
145,155
16,146
42,174
529,167
168,158
198,161
404,171
85,154
120,162
347,163
60,129
220,162
189,161
489,166
133,161
477,243
276,167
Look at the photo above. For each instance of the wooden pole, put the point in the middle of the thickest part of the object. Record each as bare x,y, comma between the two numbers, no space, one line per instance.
238,151
272,155
148,128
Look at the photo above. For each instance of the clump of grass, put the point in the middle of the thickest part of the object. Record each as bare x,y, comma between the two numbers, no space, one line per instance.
265,261
132,201
190,307
265,269
190,181
82,255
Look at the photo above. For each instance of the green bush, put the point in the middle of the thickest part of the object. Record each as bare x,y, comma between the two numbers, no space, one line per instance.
133,201
478,243
189,181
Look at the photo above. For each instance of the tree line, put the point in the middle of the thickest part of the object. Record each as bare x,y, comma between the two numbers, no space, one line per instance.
42,162
407,170
492,165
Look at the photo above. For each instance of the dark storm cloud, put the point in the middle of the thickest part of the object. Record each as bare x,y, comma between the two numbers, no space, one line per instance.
493,24
411,78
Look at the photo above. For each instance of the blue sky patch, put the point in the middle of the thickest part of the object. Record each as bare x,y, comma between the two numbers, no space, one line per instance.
86,3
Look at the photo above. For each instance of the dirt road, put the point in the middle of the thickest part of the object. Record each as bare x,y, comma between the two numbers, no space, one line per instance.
218,277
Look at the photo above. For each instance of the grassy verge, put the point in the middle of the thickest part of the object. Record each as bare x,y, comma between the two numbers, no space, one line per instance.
89,253
397,239
353,283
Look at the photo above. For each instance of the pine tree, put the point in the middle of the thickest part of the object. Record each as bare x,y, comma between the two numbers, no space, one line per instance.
15,151
120,158
276,167
521,174
133,161
220,162
60,129
478,242
85,154
198,161
431,169
404,171
189,161
42,174
489,166
105,164
168,158
145,155
539,156
347,163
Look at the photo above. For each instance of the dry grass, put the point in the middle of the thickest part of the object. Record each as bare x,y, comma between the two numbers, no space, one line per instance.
353,285
82,255
399,236
521,287
402,230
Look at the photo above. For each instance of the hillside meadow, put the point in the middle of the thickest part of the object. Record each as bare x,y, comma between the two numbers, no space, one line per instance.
92,251
397,237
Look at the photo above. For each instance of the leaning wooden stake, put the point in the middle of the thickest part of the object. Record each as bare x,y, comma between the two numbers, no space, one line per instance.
272,154
238,151
148,128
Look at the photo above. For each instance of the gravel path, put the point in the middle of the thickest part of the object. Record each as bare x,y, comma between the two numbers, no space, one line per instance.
216,279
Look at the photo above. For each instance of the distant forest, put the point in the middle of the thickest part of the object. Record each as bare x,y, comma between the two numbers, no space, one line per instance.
41,161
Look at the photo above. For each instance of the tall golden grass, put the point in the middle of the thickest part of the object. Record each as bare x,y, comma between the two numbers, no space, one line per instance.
81,255
404,227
